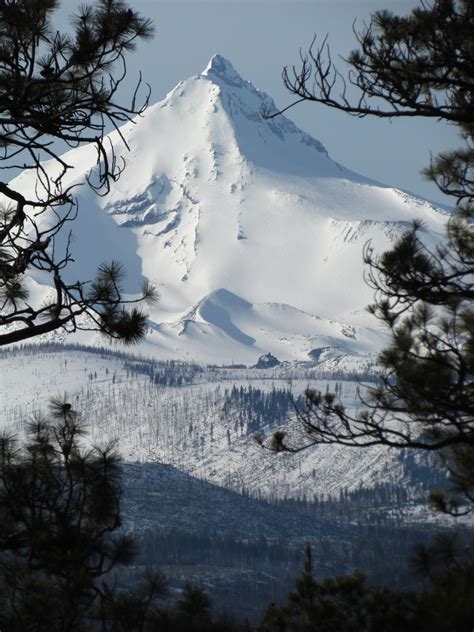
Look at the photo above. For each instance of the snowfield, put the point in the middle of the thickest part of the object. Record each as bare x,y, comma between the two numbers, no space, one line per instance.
252,234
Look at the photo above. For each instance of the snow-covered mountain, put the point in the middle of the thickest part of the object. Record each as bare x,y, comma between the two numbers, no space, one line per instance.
251,232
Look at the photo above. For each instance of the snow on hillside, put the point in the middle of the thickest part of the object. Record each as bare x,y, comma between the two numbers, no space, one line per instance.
251,232
204,426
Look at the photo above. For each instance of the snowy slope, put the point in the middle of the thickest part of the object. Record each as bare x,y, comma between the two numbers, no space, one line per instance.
194,427
251,232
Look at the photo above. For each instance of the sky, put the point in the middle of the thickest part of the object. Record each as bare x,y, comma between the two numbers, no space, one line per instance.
260,37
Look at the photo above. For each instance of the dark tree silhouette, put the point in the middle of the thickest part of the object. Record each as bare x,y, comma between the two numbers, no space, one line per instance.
348,604
342,603
56,90
59,547
405,66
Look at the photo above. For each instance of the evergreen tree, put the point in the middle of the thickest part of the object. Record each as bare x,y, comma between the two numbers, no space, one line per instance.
343,603
59,90
59,548
418,65
347,604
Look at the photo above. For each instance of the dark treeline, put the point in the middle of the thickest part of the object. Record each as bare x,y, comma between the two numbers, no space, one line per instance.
384,502
68,347
180,372
263,569
167,372
176,547
256,408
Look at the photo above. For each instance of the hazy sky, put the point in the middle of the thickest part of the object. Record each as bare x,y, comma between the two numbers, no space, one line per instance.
260,37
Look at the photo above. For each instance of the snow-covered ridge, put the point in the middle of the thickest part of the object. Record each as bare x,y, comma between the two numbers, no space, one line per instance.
215,203
194,425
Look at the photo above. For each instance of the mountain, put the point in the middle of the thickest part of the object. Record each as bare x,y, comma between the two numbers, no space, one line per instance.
251,232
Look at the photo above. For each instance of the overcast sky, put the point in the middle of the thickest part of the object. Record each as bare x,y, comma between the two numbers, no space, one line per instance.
260,37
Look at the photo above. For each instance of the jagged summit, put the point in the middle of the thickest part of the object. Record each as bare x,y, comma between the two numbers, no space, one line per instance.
259,140
221,68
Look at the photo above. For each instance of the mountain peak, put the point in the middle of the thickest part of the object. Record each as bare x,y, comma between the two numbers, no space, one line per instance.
219,67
